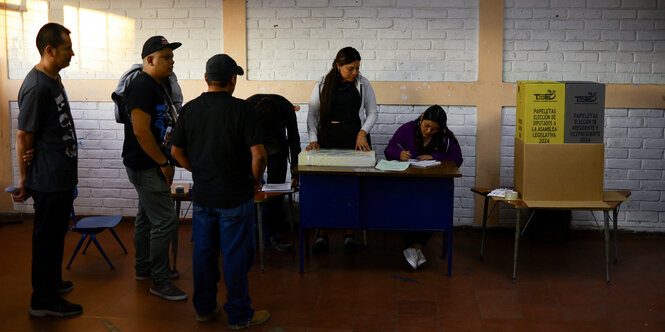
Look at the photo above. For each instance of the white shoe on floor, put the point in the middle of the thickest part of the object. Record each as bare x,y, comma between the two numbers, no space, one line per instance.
421,258
411,255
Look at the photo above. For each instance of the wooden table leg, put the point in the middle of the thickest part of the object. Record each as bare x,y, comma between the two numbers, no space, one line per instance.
293,239
607,245
517,243
301,248
174,244
484,228
615,215
259,211
450,252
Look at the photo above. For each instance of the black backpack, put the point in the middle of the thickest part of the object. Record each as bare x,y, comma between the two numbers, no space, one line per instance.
121,112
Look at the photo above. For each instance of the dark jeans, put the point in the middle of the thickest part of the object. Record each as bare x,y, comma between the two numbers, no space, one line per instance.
52,211
274,211
232,231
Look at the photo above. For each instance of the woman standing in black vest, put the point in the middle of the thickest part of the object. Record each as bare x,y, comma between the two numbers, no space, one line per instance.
342,111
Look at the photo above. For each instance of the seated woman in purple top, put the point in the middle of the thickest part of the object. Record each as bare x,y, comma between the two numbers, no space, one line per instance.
425,138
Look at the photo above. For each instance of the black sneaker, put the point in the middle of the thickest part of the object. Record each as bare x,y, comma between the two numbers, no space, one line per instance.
146,276
320,245
350,245
65,287
168,291
277,245
62,308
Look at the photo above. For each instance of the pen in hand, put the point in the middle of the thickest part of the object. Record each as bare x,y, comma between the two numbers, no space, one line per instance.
402,154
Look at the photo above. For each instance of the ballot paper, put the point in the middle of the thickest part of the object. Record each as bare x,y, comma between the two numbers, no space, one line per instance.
337,157
392,165
501,192
279,187
423,163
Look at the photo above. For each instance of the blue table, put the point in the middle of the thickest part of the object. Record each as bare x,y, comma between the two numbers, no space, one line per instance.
367,198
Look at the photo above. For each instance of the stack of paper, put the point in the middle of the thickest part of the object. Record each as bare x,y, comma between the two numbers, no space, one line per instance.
501,192
392,165
277,187
337,157
423,163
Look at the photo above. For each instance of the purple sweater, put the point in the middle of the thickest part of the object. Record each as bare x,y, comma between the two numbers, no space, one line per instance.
406,137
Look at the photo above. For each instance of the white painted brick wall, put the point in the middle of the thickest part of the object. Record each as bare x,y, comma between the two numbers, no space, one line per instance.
634,160
414,32
604,41
109,35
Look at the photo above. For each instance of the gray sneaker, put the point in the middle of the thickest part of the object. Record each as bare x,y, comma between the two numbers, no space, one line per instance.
278,245
146,276
168,291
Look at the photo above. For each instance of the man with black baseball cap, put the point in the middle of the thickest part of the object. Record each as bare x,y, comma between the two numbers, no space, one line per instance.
221,67
146,157
218,139
156,43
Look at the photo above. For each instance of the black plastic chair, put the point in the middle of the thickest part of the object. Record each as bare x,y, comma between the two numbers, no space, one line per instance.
89,227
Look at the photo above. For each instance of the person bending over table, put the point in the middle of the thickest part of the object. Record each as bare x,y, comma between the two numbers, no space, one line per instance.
277,117
425,138
342,111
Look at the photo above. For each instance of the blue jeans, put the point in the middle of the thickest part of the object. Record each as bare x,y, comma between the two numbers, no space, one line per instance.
232,231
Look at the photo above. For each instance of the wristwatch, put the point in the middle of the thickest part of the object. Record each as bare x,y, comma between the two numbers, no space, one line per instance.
165,164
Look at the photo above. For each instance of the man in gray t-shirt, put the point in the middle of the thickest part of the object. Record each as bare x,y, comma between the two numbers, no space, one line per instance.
45,126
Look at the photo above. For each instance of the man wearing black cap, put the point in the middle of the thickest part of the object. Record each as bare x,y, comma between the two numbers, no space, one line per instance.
149,169
218,139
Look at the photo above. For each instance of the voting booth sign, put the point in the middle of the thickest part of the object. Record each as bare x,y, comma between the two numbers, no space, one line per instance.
540,112
584,120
